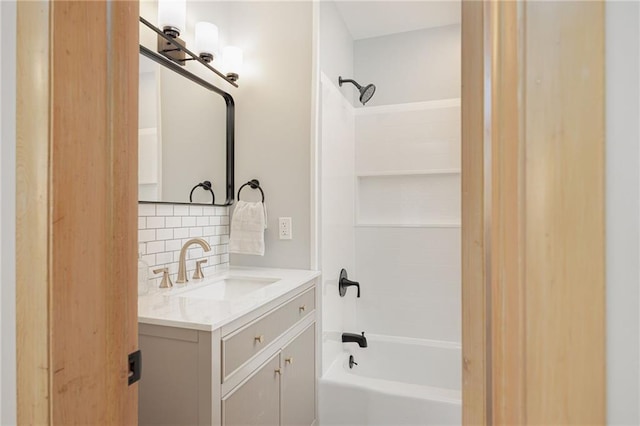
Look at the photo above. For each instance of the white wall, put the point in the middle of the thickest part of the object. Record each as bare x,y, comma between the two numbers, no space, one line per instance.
337,237
413,66
7,213
336,48
336,164
622,211
408,220
408,186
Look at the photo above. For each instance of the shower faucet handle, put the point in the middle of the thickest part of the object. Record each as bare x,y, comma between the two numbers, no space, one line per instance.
344,282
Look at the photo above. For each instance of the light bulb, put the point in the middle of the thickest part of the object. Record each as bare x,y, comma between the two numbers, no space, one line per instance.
232,57
172,15
206,40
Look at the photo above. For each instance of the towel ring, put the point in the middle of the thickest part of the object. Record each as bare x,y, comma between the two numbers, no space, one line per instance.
254,184
206,185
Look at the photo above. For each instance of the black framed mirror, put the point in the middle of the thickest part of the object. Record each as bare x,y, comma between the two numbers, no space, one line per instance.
186,154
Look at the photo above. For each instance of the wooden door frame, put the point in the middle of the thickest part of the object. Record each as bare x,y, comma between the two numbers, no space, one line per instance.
533,212
76,211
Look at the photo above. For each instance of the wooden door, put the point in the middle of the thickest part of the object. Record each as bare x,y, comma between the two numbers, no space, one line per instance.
298,385
533,212
76,211
256,402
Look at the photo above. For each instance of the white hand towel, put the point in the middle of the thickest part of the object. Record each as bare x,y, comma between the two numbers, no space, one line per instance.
247,228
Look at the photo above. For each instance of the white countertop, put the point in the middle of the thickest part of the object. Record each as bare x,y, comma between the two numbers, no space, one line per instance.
166,307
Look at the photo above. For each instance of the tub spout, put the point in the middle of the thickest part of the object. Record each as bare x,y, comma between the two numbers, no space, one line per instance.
352,337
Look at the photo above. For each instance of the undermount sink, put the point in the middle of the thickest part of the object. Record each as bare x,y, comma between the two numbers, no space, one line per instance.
227,288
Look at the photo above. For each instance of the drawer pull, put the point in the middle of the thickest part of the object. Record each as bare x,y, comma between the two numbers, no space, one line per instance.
277,371
302,308
259,339
288,360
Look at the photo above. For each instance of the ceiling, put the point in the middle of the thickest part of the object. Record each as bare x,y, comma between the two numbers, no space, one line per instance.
366,19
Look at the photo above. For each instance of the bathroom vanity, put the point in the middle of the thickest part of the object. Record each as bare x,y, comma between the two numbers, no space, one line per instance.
238,348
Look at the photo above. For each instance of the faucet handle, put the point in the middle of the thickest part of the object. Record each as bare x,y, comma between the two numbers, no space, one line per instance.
344,282
198,274
166,279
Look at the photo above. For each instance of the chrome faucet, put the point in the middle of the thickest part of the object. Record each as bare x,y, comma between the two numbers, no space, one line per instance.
182,264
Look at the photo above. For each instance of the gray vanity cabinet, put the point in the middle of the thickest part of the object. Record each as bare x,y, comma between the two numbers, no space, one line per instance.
257,401
298,383
259,369
281,391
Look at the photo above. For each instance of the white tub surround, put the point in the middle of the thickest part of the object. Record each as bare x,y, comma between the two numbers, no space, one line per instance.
398,381
165,307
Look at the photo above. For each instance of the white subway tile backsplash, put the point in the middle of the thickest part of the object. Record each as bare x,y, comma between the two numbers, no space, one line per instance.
155,222
155,247
172,245
196,253
164,210
173,222
180,210
146,209
179,233
188,221
146,235
195,210
165,257
195,232
164,234
164,228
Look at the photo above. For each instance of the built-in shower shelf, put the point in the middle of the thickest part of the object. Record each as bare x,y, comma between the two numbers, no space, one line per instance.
409,199
410,173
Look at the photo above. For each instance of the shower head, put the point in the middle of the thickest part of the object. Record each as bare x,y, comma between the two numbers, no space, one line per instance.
366,92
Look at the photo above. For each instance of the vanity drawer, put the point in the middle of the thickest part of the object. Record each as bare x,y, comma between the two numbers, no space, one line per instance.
239,346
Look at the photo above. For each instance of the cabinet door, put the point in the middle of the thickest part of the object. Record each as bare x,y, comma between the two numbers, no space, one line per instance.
299,380
256,401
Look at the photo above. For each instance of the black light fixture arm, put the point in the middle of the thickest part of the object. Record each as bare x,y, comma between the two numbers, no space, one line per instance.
182,48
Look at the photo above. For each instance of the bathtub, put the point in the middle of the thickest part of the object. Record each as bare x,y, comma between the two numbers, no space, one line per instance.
398,381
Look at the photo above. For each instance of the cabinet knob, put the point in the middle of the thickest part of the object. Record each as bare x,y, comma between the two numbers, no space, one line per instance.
288,360
277,371
259,339
302,308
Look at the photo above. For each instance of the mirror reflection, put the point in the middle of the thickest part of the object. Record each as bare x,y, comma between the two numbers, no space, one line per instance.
182,138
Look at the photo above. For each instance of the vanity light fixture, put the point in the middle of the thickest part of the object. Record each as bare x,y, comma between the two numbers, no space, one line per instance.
206,41
172,16
173,48
232,57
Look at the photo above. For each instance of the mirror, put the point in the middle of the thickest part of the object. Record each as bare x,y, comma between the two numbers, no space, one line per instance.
185,136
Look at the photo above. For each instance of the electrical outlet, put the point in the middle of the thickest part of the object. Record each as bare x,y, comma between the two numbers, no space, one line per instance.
284,228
